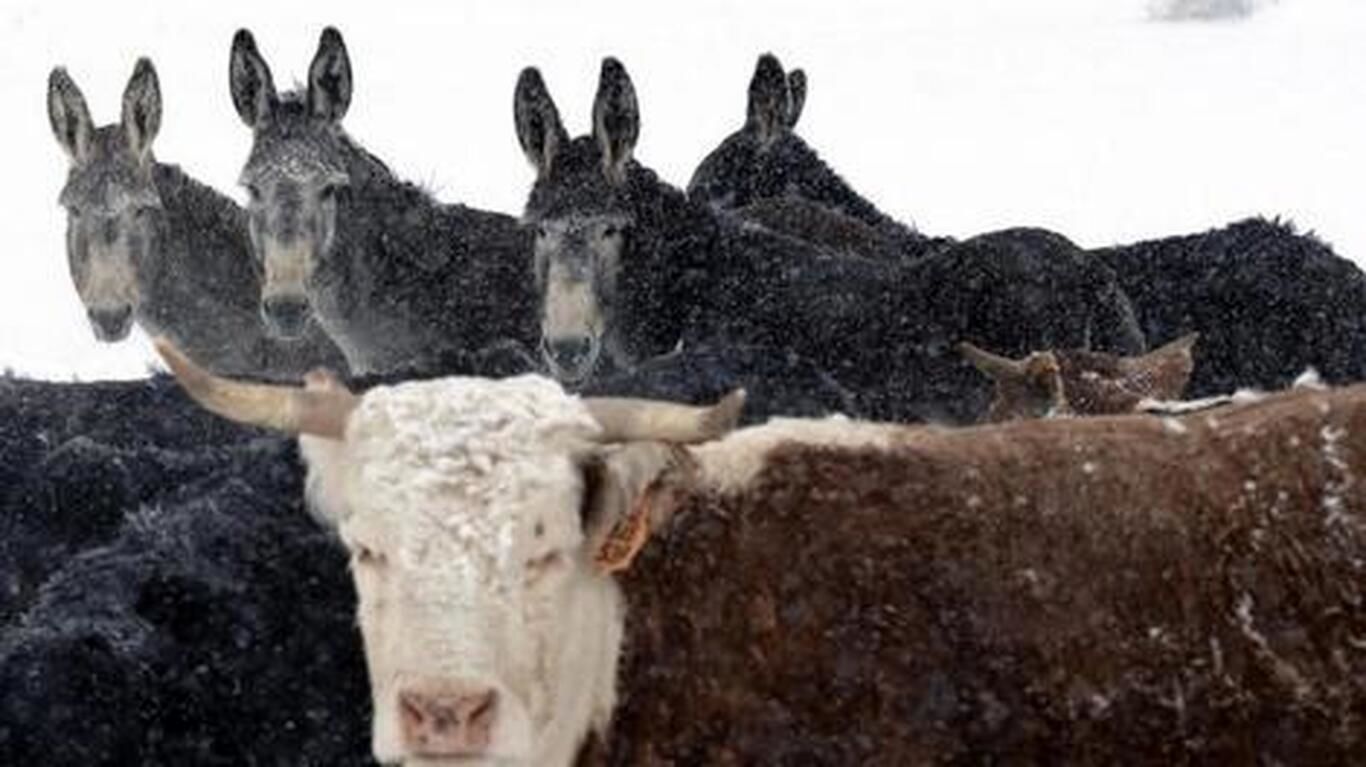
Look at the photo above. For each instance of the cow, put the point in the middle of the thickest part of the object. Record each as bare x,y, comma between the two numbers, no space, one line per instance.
1082,382
1112,589
627,268
162,591
147,244
395,278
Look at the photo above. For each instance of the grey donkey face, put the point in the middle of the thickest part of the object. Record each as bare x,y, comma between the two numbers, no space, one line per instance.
578,208
294,175
578,259
112,205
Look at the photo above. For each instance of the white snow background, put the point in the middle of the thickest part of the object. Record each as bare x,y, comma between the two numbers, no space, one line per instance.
962,116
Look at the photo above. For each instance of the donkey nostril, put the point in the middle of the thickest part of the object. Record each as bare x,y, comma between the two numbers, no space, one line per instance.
570,352
111,324
285,315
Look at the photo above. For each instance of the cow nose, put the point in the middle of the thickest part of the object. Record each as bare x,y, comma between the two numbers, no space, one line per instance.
448,723
572,357
111,324
285,316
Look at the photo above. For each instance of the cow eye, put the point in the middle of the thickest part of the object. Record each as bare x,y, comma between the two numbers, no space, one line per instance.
253,193
539,567
364,555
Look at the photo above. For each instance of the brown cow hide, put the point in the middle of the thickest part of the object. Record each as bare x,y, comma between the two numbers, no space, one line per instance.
1133,590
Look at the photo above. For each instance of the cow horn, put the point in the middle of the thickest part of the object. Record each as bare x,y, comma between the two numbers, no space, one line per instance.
993,365
320,410
630,420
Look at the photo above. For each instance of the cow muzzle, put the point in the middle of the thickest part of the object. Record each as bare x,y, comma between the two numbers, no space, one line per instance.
452,720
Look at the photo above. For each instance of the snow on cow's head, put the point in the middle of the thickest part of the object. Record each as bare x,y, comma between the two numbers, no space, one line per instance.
487,630
483,518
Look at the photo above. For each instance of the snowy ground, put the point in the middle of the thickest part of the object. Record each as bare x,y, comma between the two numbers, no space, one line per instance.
960,115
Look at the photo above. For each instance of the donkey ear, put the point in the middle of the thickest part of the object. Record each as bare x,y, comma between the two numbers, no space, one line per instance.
142,107
539,129
631,490
329,78
768,111
796,87
69,116
253,89
616,118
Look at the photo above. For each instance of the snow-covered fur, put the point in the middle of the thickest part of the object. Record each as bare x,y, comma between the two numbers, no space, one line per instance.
458,494
164,599
148,244
395,277
1267,300
680,272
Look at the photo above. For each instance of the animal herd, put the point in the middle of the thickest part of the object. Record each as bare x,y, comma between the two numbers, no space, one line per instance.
648,475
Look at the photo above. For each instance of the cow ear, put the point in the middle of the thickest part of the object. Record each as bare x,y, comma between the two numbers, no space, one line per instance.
142,107
249,79
539,129
769,99
1167,368
616,118
69,116
632,489
329,78
796,88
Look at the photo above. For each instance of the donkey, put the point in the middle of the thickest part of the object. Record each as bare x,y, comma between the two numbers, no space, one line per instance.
396,278
766,174
765,162
147,244
628,267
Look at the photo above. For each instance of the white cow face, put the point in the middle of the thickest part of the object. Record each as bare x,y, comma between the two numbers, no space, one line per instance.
490,636
480,516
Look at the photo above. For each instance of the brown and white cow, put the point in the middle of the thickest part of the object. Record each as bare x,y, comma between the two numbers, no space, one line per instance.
1081,381
1125,589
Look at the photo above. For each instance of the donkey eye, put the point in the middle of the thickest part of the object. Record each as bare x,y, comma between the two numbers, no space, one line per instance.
329,192
253,193
611,230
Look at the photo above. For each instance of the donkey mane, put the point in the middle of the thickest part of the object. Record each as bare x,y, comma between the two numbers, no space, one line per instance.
361,161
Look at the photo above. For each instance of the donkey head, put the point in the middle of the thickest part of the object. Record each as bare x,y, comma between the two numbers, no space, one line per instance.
295,173
763,159
580,207
113,208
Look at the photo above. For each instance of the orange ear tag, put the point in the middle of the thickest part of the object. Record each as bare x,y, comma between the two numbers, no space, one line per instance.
627,537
